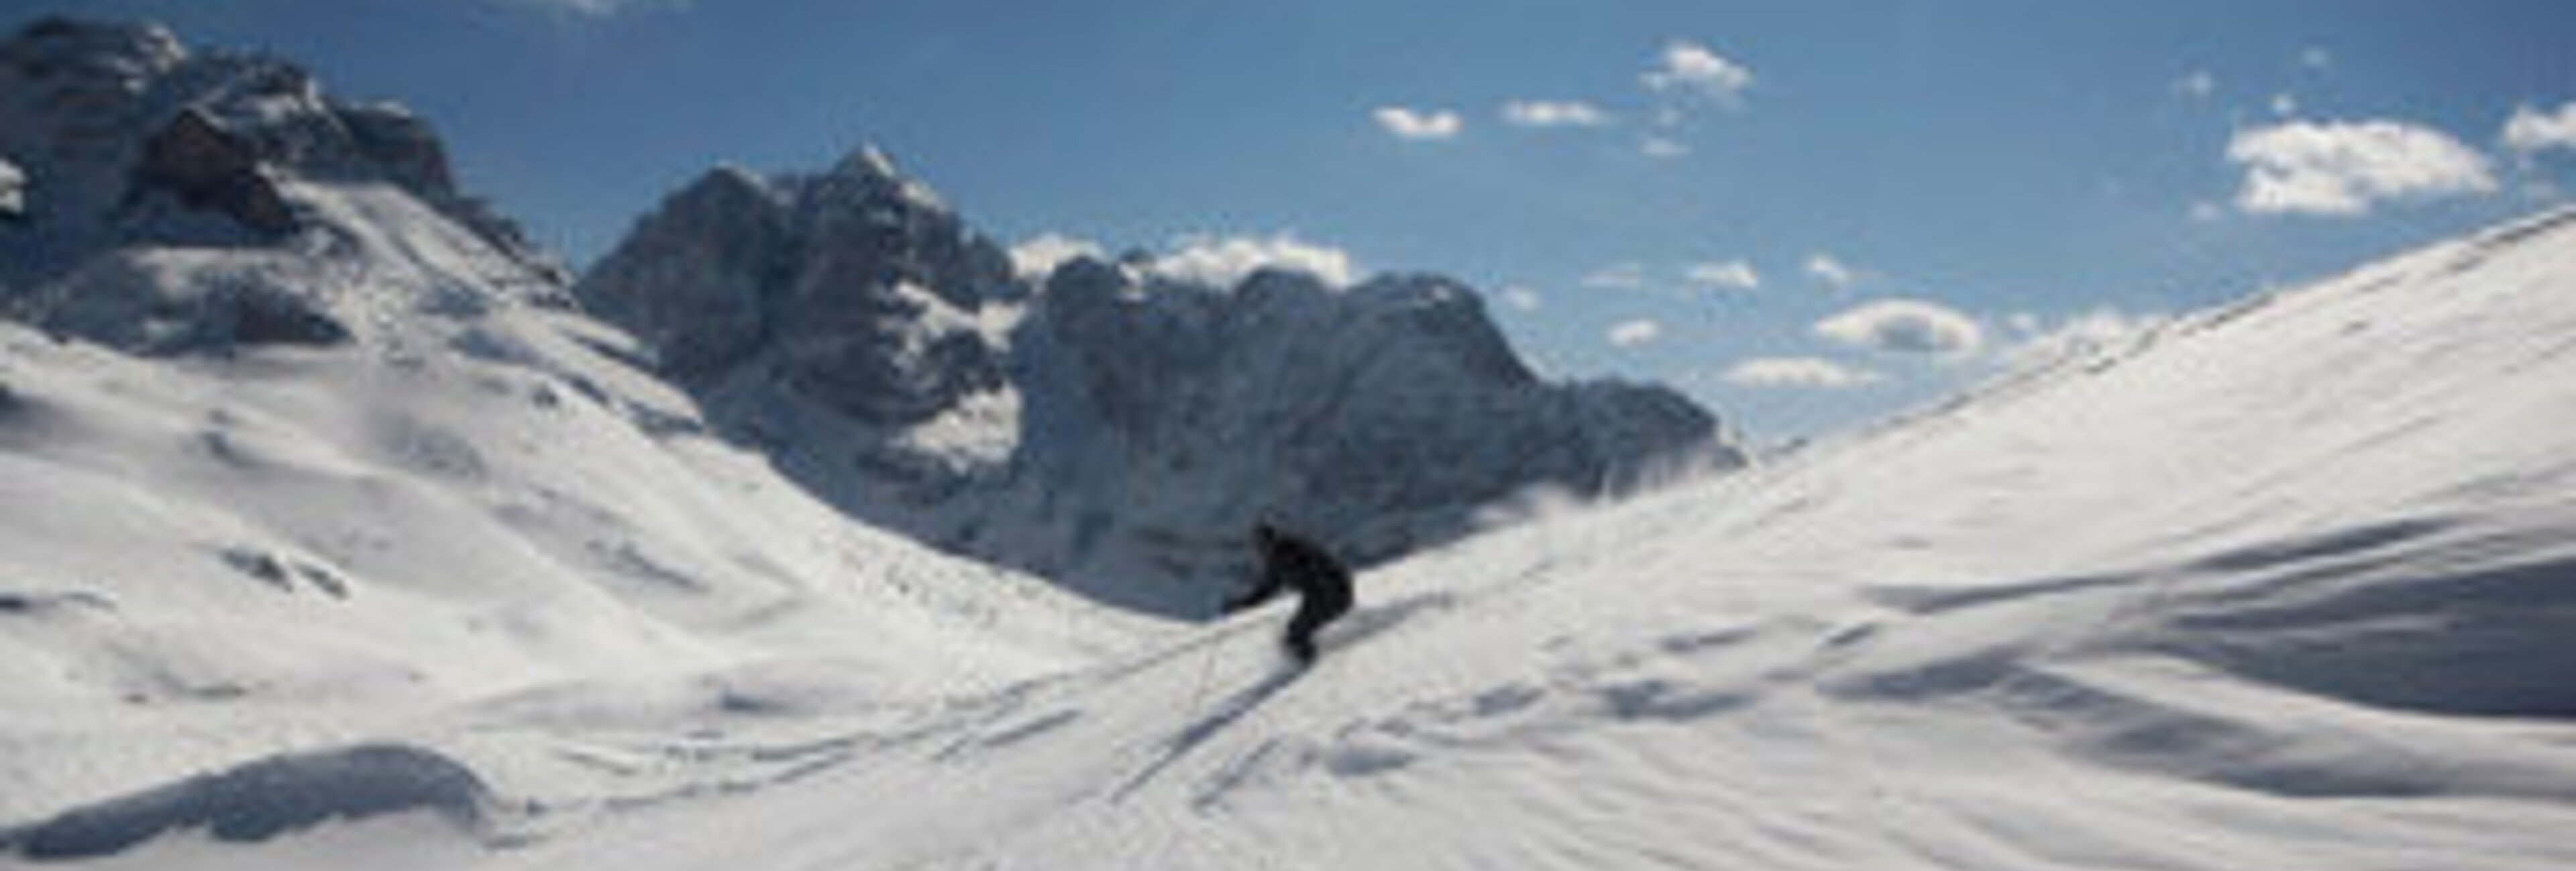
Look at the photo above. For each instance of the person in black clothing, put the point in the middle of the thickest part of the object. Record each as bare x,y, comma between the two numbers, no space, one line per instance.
1323,586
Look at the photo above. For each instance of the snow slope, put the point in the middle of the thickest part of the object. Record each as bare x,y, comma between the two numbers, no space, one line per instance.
2286,585
284,515
206,560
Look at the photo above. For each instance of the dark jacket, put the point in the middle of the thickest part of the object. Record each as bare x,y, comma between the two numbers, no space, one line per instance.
1292,563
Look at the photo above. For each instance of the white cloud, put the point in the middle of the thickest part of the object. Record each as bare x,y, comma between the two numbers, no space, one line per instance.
2038,340
1522,298
2198,85
1038,256
2530,131
1813,373
2206,212
1906,326
1630,334
1661,148
1689,68
1554,113
2344,168
2284,105
1616,276
1224,260
1830,271
2316,58
1418,125
1726,275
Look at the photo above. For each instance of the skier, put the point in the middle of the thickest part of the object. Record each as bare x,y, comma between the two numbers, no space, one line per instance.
1323,586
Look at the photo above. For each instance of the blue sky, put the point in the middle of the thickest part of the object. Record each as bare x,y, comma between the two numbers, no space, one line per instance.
1805,214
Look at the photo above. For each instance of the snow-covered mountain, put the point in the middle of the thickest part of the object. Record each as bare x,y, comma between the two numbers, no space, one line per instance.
315,450
179,201
1107,428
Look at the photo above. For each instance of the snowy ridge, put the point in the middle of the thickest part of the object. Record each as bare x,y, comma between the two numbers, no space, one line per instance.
286,508
178,202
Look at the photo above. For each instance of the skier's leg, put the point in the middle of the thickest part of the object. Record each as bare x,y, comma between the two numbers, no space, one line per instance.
1301,629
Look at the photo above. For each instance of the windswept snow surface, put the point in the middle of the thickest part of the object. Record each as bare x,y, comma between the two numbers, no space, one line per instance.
2288,585
459,541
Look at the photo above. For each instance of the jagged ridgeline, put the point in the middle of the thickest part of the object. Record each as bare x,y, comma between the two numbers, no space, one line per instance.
169,200
1103,425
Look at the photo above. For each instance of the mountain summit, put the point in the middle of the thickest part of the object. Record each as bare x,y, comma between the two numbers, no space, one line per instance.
167,200
1108,426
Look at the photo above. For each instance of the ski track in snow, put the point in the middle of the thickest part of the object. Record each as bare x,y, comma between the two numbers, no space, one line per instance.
2287,585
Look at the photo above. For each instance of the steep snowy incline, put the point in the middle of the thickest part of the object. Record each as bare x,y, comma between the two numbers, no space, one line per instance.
204,562
349,511
2287,585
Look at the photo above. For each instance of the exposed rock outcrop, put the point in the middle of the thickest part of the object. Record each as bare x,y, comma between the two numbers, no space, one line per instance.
133,155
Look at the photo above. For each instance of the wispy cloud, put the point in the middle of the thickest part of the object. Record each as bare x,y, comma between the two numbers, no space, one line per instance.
1224,260
1811,373
2316,58
1683,80
1419,125
596,8
1723,275
2198,84
2037,340
1831,271
1038,256
1522,298
1906,326
1689,68
1616,276
2344,169
2531,131
1630,334
1554,113
1662,148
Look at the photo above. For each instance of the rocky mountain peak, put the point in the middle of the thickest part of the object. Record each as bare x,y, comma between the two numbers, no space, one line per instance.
130,148
1113,427
869,174
855,285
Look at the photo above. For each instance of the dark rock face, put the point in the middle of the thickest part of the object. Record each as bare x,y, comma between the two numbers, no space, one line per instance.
704,301
1382,414
210,168
1115,431
853,287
